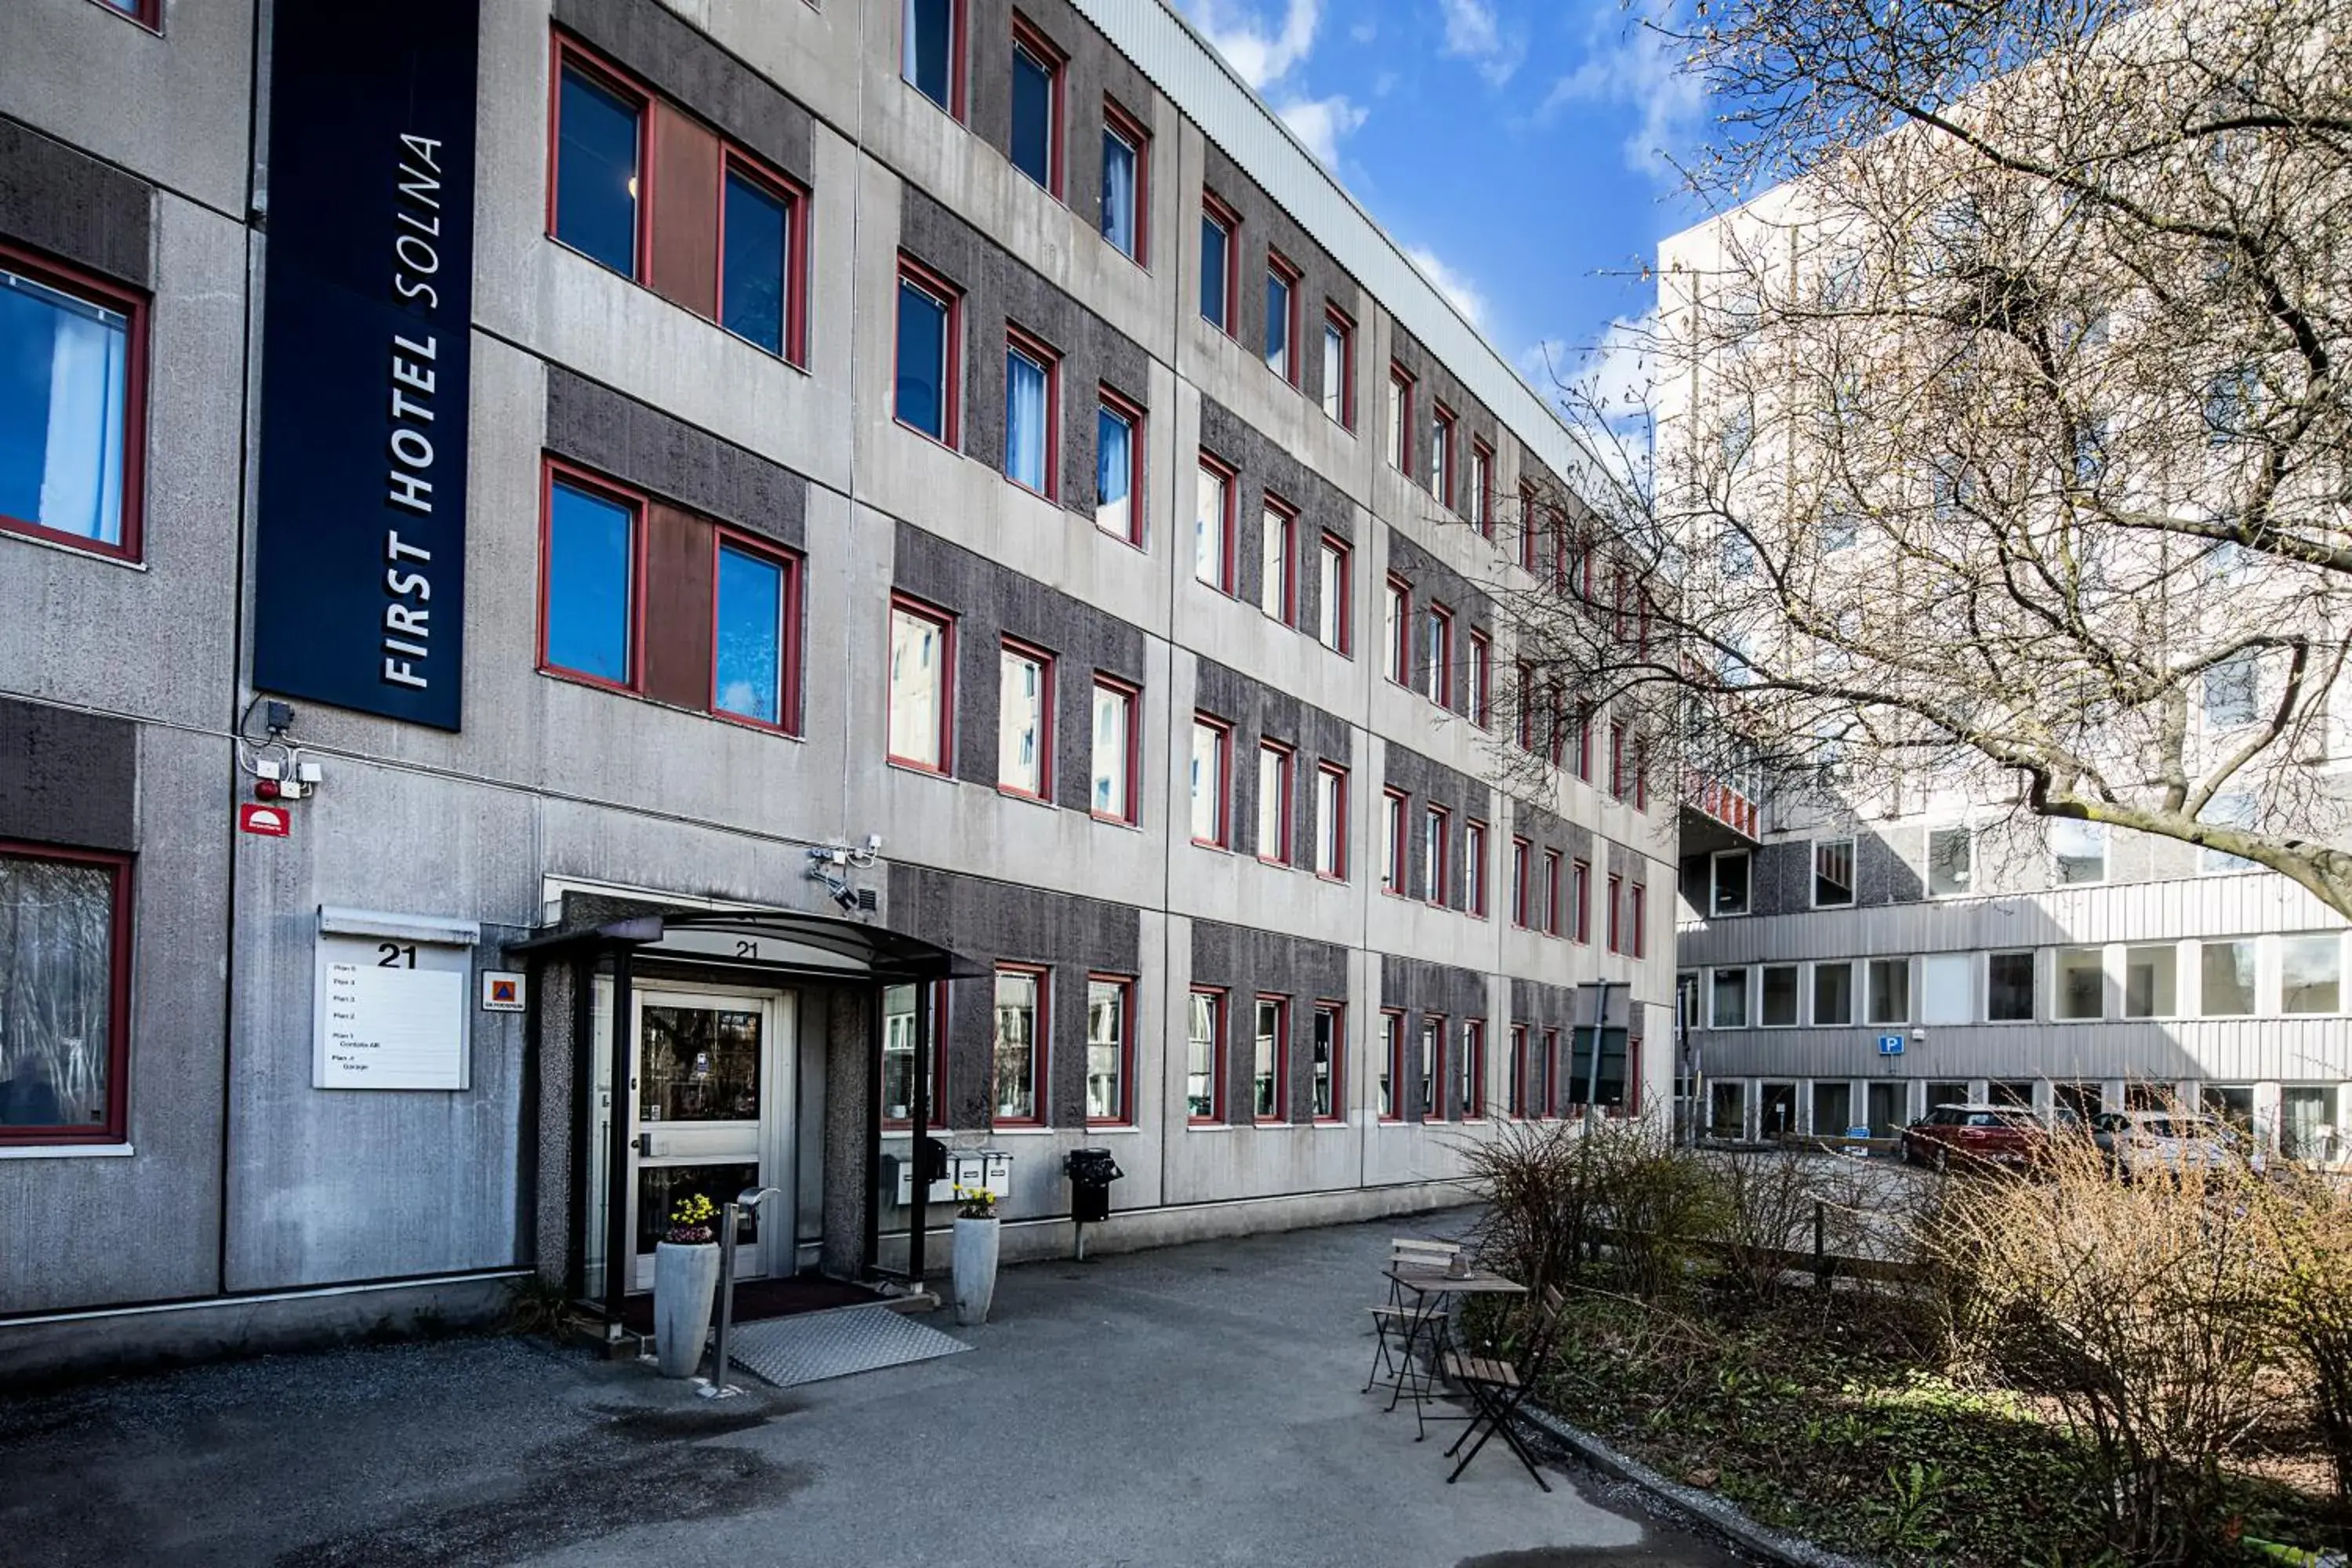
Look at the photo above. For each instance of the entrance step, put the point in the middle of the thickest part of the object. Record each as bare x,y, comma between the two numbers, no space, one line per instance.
816,1346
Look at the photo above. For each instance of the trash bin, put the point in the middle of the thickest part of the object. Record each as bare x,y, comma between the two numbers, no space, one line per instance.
1091,1172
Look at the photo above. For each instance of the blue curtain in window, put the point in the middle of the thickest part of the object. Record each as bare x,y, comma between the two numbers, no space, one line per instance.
64,395
1025,420
1118,192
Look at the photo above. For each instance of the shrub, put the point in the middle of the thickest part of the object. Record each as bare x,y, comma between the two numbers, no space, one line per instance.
1554,1190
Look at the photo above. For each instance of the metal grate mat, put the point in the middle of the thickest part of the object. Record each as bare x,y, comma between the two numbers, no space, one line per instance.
815,1346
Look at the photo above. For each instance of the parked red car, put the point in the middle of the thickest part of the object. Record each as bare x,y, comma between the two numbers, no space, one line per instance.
1977,1135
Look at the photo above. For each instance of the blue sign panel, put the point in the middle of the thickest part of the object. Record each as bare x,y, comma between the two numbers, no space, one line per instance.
360,562
1890,1045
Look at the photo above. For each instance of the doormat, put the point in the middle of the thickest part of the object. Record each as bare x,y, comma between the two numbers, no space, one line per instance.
815,1346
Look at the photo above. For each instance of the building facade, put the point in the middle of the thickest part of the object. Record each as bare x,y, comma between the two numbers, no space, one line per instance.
584,583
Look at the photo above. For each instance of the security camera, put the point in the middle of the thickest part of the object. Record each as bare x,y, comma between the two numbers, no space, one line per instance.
872,844
843,893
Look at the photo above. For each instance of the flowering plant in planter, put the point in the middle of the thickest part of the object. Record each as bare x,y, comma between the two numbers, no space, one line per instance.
693,1222
975,1202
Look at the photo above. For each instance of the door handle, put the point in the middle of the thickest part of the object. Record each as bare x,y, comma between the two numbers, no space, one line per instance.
645,1145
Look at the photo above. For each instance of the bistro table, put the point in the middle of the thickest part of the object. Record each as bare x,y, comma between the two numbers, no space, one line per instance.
1425,1281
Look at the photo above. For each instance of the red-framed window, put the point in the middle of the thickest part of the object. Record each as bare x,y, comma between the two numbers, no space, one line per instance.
1393,848
148,14
1617,780
1437,655
919,687
1616,907
1039,73
1326,1064
1388,1105
1440,454
1474,868
763,248
86,492
591,579
1332,822
1339,367
1023,1035
1551,1072
1530,528
1482,489
1482,680
1033,413
1522,855
1520,1088
1551,892
1432,1067
1110,1050
755,641
1117,791
65,1056
1637,912
1472,1089
1640,775
1025,720
1204,1061
1618,598
1120,446
1221,282
931,51
1580,732
1579,896
1529,702
899,1032
1127,184
1401,422
1211,782
1283,349
1277,588
1400,631
1275,765
1214,527
1270,1062
598,185
1335,625
928,395
1436,834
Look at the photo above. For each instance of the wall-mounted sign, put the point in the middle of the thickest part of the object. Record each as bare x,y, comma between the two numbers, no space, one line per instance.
390,1002
360,569
267,821
1890,1045
501,991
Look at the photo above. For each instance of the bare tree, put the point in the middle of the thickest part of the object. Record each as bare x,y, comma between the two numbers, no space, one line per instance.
2001,424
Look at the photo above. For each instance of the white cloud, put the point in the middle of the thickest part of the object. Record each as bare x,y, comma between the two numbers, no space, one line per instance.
1261,53
1627,65
1606,390
1365,31
1321,122
1452,284
1472,34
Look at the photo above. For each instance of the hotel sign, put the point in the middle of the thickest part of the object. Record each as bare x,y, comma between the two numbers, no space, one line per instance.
361,535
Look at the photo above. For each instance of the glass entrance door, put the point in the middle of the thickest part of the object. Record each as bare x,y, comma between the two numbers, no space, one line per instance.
704,1114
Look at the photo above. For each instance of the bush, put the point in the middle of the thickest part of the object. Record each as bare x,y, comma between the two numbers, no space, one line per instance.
1555,1190
2310,1303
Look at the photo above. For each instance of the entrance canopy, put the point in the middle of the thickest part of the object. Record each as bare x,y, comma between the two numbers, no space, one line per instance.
777,941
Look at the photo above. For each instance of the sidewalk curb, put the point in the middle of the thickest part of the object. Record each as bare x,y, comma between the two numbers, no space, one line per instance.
1703,1506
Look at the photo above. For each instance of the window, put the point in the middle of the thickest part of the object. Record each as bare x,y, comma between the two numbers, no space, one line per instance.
1118,468
2226,976
1437,656
599,143
65,1050
1036,140
2237,809
899,1030
1269,1070
1399,604
755,636
1832,873
1333,622
1392,1071
2008,987
2080,849
1951,861
1551,892
1432,1067
1833,994
1637,915
1520,1086
1482,489
1579,902
1277,592
1482,680
1400,420
1616,902
1530,527
1776,995
1218,284
1204,1060
1522,853
1110,1013
1433,869
1948,988
2082,983
929,332
1392,803
1117,750
1728,999
593,550
759,262
1330,1049
1340,370
1440,454
922,684
1125,179
1332,822
1729,893
2151,981
1212,526
2311,973
1474,868
1890,990
1032,413
1020,1069
70,407
931,56
1472,1091
1282,319
1273,764
1617,788
1211,780
1640,775
2229,692
1024,722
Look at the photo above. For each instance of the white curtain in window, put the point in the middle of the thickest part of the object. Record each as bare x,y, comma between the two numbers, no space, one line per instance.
1118,192
82,479
1025,420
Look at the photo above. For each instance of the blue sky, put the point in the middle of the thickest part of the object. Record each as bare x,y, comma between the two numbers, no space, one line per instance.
1514,146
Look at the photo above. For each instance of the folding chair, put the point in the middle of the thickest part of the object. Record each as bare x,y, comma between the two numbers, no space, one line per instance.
1409,1338
1497,1388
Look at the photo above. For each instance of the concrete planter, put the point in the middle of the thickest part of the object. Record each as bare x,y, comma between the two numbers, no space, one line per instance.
686,1278
976,1245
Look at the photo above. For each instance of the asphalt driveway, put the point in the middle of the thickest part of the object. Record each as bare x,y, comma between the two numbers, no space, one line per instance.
1194,1407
